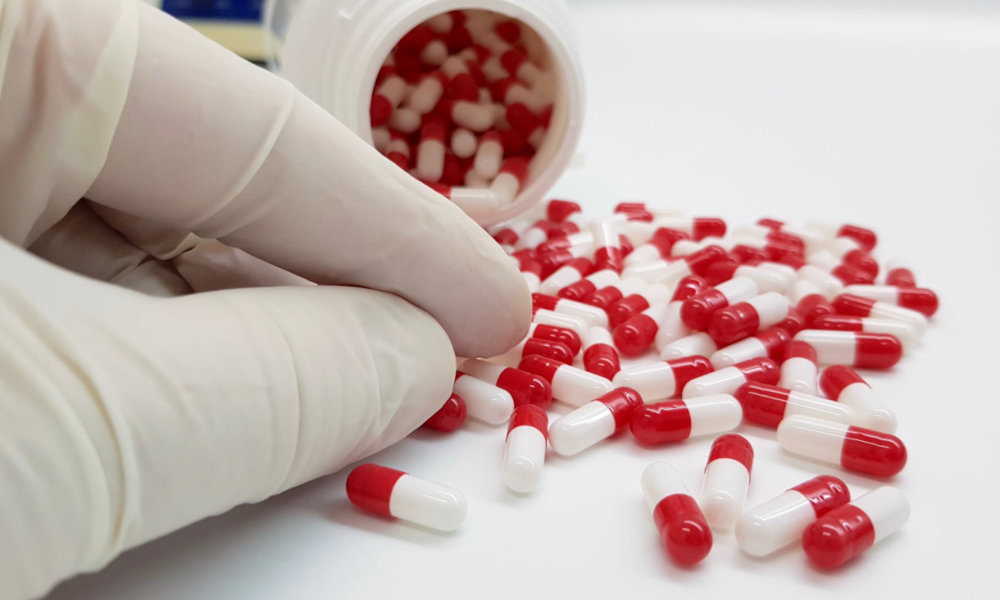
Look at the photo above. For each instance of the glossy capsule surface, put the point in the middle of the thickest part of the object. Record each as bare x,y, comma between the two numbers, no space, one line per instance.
392,493
523,387
769,405
594,421
569,384
769,343
662,379
744,319
683,529
780,521
904,332
922,300
853,348
726,480
676,420
698,309
799,370
450,416
843,384
729,379
483,401
853,448
846,532
524,450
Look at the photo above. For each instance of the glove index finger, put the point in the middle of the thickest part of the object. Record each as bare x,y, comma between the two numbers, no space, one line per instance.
247,159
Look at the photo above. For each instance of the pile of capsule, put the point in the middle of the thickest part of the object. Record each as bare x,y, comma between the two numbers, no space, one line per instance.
675,328
462,103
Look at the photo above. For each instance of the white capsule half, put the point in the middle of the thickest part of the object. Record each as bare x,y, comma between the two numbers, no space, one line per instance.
799,374
577,387
723,492
777,523
722,381
581,428
483,401
523,458
696,344
427,503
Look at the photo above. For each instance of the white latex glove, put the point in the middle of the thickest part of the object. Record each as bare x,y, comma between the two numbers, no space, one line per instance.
124,416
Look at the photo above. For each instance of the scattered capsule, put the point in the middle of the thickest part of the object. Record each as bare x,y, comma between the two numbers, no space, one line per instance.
744,319
633,336
597,420
904,332
779,522
523,387
853,448
697,309
449,417
658,247
569,384
593,316
696,227
676,420
843,384
856,349
393,493
799,370
483,401
845,532
727,478
922,300
769,405
849,304
696,344
607,246
551,317
662,379
570,272
600,356
810,301
769,343
729,379
524,450
767,278
899,275
582,289
509,181
864,237
681,524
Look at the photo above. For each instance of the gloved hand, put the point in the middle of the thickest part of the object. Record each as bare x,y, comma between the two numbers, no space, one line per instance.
124,415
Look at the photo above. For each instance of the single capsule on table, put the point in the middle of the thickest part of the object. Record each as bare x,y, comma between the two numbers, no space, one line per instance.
769,343
769,405
726,480
858,306
744,319
662,379
483,401
843,384
595,421
857,349
779,522
676,420
600,356
569,384
799,370
524,450
729,379
523,387
904,332
682,526
393,493
853,448
922,300
844,533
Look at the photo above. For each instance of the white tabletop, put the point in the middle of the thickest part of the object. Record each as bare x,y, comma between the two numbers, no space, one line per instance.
876,113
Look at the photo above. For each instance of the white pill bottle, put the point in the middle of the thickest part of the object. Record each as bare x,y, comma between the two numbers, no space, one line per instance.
332,51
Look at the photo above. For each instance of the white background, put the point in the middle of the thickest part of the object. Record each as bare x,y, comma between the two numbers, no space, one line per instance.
883,114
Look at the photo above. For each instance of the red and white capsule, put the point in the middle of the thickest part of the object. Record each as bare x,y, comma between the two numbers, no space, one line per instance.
858,306
799,370
483,401
607,246
726,481
393,493
430,152
846,532
853,448
571,272
769,343
904,332
682,526
658,246
856,349
633,336
426,94
591,315
729,379
843,384
551,317
779,522
922,300
899,274
449,417
523,387
524,451
569,384
744,319
510,179
677,420
767,276
696,227
597,420
769,405
662,379
698,343
599,355
636,302
582,290
698,309
810,301
864,237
